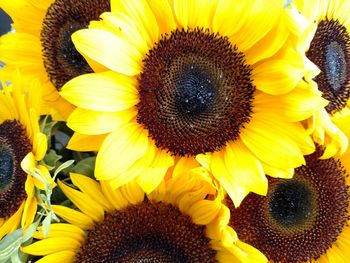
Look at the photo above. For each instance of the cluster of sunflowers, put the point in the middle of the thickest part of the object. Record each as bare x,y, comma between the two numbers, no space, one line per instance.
175,131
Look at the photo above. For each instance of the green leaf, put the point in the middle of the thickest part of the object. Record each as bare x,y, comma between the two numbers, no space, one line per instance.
46,126
85,167
51,159
15,257
23,257
9,244
29,232
62,167
43,198
46,225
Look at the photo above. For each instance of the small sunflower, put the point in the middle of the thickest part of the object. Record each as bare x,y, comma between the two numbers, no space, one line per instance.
183,220
206,81
41,46
21,146
327,44
304,219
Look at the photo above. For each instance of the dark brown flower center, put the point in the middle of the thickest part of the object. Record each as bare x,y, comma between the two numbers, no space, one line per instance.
147,232
6,166
330,51
300,218
291,204
195,92
14,146
61,60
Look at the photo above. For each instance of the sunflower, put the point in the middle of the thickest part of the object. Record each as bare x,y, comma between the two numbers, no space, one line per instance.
182,220
41,46
21,146
208,82
304,219
327,44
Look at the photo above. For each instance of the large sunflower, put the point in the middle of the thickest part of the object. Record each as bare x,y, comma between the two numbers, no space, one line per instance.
210,81
21,146
41,45
183,220
327,44
304,219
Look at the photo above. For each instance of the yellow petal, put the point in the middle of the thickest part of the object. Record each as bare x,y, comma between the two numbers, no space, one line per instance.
23,45
268,45
286,173
28,162
121,148
62,256
338,11
115,196
85,143
187,201
84,202
341,120
12,223
164,15
297,105
298,134
335,255
245,167
204,160
143,19
94,123
138,167
29,212
311,11
214,230
29,187
237,14
151,177
51,245
278,76
91,188
95,66
236,191
250,253
194,13
109,50
62,230
132,192
59,108
272,144
184,165
120,23
26,15
263,15
204,211
326,133
106,92
116,5
74,217
40,146
298,24
8,111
